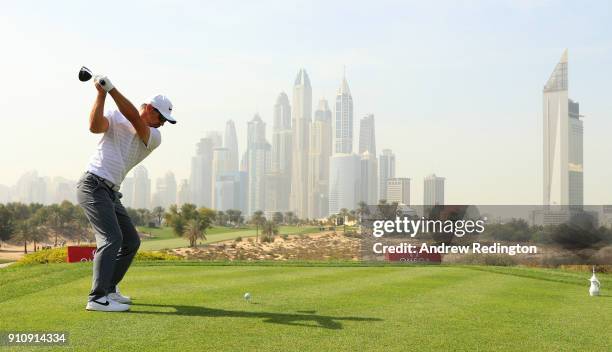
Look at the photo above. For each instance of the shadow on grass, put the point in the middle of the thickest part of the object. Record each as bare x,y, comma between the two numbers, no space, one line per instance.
320,321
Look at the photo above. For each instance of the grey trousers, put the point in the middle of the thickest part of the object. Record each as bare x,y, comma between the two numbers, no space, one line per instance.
116,237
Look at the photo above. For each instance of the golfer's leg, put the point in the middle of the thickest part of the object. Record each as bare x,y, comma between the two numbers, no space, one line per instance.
100,211
129,246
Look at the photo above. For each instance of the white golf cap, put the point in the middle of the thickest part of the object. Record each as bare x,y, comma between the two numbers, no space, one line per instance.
164,106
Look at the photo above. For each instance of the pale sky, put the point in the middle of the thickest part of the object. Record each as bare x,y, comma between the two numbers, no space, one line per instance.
455,87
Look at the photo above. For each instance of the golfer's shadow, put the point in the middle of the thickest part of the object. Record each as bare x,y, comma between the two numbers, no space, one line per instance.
322,321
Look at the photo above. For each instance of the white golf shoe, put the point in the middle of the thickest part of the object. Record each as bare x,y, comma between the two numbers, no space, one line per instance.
105,304
119,298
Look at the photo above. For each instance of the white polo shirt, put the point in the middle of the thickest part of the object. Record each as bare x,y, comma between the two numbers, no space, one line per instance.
120,148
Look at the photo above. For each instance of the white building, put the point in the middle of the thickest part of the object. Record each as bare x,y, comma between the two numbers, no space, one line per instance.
301,119
184,193
369,179
320,151
367,135
231,143
344,182
165,193
282,153
141,198
398,190
343,124
258,163
230,191
433,193
220,164
200,180
563,132
386,171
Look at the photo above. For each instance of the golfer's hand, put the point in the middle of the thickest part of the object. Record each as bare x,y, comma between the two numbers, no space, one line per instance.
104,82
100,89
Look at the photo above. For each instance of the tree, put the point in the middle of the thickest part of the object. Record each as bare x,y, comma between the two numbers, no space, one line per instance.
257,219
193,231
7,226
290,218
158,213
344,213
269,230
277,217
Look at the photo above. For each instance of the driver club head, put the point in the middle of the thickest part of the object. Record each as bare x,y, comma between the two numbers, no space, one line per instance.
85,74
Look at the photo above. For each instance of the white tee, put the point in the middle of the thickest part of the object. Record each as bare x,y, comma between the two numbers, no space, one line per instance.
120,148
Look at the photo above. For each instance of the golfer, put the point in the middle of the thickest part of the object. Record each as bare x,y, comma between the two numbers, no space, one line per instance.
130,135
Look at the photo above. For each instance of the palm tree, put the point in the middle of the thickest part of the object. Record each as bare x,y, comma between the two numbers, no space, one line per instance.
257,219
344,213
194,231
269,230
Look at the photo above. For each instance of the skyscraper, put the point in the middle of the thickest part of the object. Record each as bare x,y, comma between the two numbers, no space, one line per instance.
142,188
563,131
301,119
200,180
369,178
278,180
220,165
386,171
398,190
369,163
367,135
343,126
320,151
258,156
433,193
281,135
231,143
344,182
184,193
165,194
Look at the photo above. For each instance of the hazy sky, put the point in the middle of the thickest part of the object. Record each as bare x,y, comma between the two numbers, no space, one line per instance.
455,87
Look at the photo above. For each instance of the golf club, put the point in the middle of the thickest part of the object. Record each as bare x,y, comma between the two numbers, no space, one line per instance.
85,75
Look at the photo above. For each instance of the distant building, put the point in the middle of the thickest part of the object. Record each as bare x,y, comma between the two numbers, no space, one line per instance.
258,156
231,143
433,193
301,119
184,193
386,171
398,190
563,142
320,151
344,182
142,188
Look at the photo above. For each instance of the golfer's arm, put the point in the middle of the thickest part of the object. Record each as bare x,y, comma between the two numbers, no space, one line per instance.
131,113
97,122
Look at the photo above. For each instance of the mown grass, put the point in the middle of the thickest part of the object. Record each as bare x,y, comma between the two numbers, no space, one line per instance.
199,307
166,239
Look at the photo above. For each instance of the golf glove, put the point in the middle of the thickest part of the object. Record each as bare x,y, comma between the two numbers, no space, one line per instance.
104,82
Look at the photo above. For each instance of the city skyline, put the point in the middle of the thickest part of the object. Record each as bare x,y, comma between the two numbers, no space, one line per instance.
472,97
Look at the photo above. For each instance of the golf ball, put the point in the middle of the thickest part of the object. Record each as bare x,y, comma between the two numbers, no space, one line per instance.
247,296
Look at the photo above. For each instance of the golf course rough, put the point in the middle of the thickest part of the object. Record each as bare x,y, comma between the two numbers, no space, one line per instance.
199,307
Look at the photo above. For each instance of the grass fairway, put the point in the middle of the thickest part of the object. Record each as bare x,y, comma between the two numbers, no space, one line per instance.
197,307
164,238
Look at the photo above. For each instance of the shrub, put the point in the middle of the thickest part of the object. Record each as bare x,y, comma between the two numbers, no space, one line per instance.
60,255
45,256
285,237
153,255
238,239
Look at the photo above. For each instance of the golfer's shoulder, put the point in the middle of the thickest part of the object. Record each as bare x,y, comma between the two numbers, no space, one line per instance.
154,138
114,116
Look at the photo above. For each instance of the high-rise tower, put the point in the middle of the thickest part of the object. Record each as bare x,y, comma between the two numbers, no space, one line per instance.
301,119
